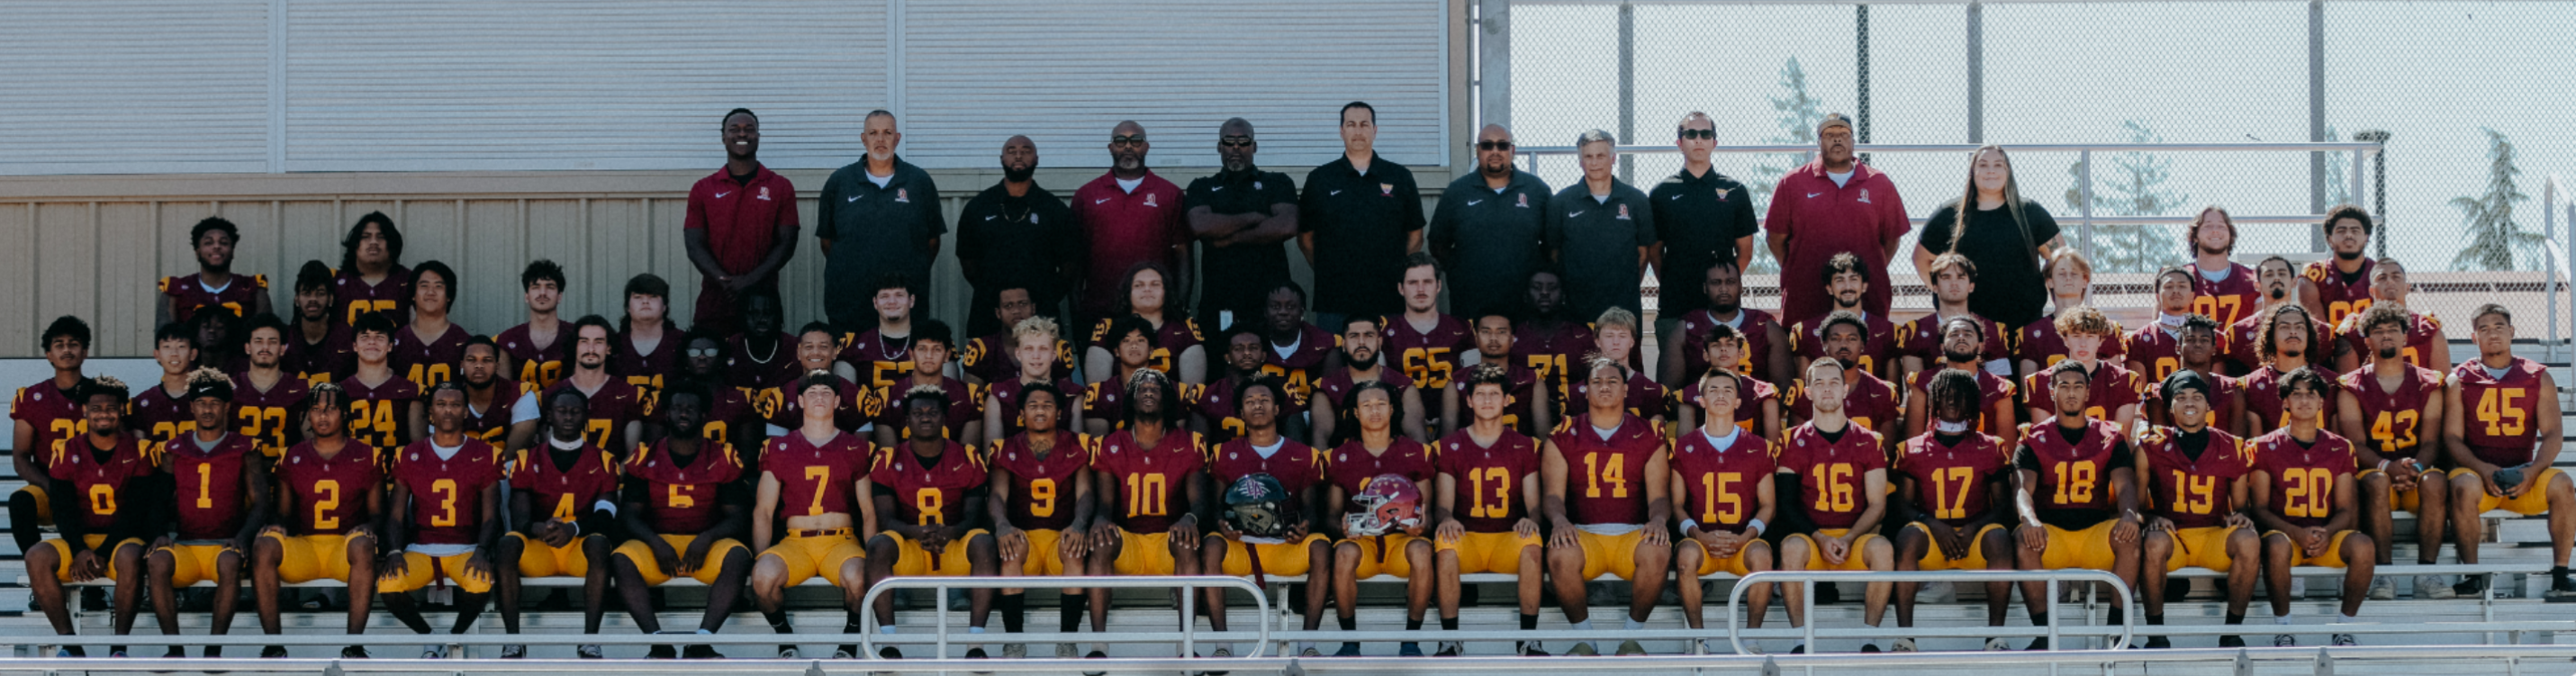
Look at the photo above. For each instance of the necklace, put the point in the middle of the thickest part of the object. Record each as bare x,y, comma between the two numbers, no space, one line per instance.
764,361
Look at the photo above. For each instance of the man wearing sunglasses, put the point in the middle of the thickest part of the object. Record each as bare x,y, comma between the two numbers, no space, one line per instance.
1129,216
1240,217
884,215
1486,228
1702,218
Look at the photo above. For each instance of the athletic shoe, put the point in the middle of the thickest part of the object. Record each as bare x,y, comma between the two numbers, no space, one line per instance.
1409,649
116,651
1869,647
1936,592
2284,641
662,652
514,652
2561,590
589,652
1349,649
70,652
1799,649
1582,649
433,652
2470,585
351,653
2430,587
787,652
2231,641
1630,647
1902,645
2345,639
1753,648
1098,655
1532,649
1066,651
1311,652
1219,653
272,652
700,652
175,652
976,653
2382,588
889,653
1997,645
846,652
1449,649
2040,643
1015,651
2157,643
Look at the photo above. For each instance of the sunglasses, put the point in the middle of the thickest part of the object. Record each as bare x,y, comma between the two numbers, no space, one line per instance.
1234,142
702,352
1698,134
1493,145
1136,140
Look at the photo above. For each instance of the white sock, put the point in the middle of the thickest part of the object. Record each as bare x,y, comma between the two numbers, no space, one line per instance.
703,631
888,629
1585,625
1635,625
2344,619
2281,619
1303,646
970,630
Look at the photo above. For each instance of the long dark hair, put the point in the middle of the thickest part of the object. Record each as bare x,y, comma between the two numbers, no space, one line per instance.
2012,201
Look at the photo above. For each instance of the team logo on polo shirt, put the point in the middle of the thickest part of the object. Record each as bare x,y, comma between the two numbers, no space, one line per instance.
764,193
1386,189
1623,212
901,196
1864,195
1721,195
1524,200
1149,200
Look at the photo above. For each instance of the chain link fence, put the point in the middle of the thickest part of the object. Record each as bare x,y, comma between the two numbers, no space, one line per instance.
2467,145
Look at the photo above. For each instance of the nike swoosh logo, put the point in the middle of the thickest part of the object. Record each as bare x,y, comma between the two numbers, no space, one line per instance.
1329,194
1813,195
1215,188
991,217
854,199
1572,214
1677,197
722,194
1103,200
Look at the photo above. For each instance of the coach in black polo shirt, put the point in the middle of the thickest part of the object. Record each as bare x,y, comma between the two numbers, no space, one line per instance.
1701,218
1487,229
1604,231
1240,217
1016,235
1360,216
879,215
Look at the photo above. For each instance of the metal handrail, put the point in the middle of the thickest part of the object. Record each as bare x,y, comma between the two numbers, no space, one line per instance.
2336,146
1735,596
1189,620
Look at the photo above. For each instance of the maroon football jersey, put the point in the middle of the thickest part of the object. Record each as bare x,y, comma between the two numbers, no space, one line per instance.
159,416
380,415
1304,364
1754,324
1337,386
879,360
1429,357
491,423
965,405
1921,338
1296,466
929,491
2423,340
1807,341
2221,390
1833,472
2303,475
728,412
1554,354
1749,395
2498,421
2112,385
2244,342
1605,480
2074,477
100,484
351,293
684,497
1991,389
564,493
2157,348
1043,486
1646,399
264,415
990,359
858,406
1522,393
330,361
763,376
1151,480
1950,481
446,493
647,371
1487,497
1351,465
1107,400
616,403
191,293
328,495
2263,396
2192,493
1006,394
2041,345
1866,400
428,361
816,479
2342,295
211,503
2228,300
1177,334
539,365
52,412
2395,418
1216,403
1720,486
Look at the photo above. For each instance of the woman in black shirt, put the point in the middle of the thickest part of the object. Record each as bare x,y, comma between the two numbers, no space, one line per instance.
2004,234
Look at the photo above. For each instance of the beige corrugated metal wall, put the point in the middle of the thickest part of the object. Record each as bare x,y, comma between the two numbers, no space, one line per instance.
95,246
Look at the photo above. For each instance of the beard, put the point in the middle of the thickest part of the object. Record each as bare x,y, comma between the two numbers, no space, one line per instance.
1726,306
1840,304
2388,353
1019,174
2277,293
2348,256
1959,357
1357,362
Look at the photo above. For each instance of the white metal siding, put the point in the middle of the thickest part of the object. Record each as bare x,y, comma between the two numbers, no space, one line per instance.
134,86
1065,72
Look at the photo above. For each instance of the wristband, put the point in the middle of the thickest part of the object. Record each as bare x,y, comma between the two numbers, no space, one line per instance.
2383,465
1688,525
1756,526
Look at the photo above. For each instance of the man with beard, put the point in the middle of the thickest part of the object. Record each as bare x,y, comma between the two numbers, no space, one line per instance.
2339,288
882,215
991,359
318,350
2222,289
265,394
617,408
1240,215
2425,345
2113,391
1361,340
741,226
535,349
1128,216
1526,407
1848,285
1360,215
1961,337
2388,412
1846,208
1603,231
1299,353
214,284
2244,338
2285,341
1920,342
491,401
1486,228
1016,235
371,276
1764,354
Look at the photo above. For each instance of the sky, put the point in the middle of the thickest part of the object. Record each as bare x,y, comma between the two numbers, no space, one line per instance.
2431,73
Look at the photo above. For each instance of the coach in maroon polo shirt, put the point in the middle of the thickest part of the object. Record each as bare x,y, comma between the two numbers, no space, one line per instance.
1833,205
1129,216
741,226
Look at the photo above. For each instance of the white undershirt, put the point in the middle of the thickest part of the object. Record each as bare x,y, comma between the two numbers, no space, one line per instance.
446,452
210,288
1605,433
1266,451
881,181
1604,199
1841,179
2219,275
1129,185
1721,443
1291,348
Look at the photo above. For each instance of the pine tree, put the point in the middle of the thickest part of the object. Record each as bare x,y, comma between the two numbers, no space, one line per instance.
1800,112
2129,184
2495,240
